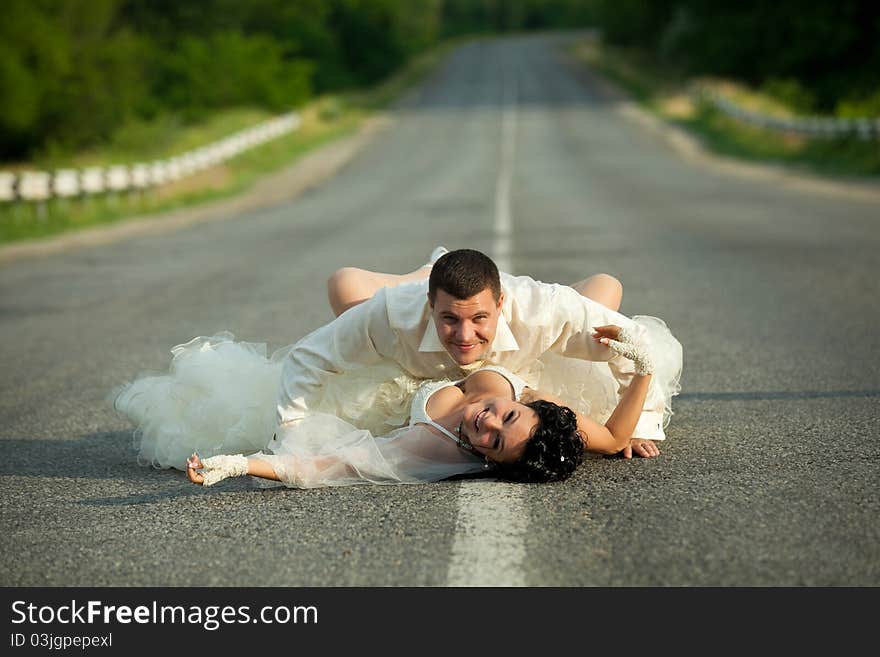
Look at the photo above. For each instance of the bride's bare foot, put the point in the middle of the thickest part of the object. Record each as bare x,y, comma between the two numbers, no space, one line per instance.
193,464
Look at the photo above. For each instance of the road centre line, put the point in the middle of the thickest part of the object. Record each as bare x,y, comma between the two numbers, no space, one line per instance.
488,548
502,250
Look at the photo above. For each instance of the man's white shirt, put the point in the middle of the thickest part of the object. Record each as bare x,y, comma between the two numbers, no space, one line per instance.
396,324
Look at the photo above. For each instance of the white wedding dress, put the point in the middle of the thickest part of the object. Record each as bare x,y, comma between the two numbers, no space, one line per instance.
219,397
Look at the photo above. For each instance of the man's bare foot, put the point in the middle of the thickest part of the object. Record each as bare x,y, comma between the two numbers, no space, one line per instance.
193,464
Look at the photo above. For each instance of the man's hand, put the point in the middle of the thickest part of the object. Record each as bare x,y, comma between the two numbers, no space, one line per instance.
640,447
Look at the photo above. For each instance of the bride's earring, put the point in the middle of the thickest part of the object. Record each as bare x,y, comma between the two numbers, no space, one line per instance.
486,464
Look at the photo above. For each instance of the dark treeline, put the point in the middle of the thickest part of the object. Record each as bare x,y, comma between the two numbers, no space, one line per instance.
818,55
73,71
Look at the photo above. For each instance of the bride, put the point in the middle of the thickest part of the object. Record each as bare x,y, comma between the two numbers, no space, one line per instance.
490,419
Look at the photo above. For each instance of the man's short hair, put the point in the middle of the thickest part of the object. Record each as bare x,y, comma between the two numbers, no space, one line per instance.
462,274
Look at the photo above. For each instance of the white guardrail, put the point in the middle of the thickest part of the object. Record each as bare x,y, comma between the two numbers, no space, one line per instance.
71,183
866,128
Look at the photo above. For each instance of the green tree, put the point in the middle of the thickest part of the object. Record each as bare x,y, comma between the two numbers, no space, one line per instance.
227,69
68,73
824,50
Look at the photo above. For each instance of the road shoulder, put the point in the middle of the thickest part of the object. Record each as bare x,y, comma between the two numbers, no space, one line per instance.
691,149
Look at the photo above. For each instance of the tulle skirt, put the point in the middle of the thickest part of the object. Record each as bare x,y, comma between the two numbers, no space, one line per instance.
219,395
590,388
216,398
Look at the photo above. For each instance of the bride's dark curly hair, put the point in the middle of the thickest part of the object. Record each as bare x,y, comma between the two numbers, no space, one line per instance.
553,452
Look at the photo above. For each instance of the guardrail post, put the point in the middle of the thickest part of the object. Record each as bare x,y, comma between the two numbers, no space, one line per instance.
814,126
38,188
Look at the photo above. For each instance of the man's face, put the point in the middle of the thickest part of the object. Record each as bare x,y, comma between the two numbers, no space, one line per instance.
466,326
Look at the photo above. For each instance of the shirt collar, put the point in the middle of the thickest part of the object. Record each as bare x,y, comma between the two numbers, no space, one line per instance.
504,340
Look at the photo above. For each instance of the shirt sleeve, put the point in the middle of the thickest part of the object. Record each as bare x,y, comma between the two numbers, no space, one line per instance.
322,450
359,337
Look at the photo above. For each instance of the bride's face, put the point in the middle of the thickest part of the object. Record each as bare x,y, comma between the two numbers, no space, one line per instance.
498,428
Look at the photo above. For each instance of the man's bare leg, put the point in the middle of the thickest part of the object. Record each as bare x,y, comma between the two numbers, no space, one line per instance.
350,286
608,291
603,288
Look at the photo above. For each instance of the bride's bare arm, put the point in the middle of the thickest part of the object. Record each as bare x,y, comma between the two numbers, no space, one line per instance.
259,468
616,434
256,467
252,465
408,455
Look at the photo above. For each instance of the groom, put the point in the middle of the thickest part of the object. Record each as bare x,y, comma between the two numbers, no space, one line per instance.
464,316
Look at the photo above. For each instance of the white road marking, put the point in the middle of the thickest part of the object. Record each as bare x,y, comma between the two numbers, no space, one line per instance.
503,226
488,549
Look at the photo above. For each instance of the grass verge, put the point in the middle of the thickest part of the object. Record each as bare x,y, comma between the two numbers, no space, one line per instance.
665,92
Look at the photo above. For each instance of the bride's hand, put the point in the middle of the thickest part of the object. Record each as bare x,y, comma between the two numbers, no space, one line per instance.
193,464
215,468
640,447
605,333
627,345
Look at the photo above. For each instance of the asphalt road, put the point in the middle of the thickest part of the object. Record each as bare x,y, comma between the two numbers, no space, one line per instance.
769,476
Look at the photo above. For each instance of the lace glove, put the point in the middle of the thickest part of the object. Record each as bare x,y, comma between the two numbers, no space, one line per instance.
628,346
217,468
